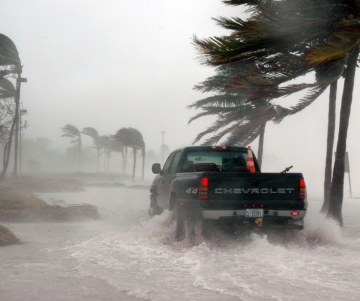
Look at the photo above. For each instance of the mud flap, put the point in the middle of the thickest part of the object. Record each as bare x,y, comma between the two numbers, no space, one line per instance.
259,222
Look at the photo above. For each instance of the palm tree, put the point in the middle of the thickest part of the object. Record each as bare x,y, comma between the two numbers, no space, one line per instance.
123,136
7,117
329,147
75,135
337,187
117,146
239,123
320,33
93,133
138,143
104,143
243,110
10,64
130,137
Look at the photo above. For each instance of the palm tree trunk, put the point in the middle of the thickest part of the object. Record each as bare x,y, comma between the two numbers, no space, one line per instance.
98,159
104,159
337,187
261,144
143,165
329,146
80,155
123,159
133,175
126,153
109,155
8,150
5,153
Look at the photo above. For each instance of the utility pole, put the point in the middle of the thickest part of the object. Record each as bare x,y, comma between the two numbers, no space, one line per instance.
22,112
162,146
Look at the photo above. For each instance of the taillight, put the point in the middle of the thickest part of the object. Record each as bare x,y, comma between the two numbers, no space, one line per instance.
302,194
218,147
203,188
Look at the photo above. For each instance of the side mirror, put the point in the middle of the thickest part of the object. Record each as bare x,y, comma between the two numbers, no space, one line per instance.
156,168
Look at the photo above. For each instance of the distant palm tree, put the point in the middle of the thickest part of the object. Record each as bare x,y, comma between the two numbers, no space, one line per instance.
116,146
75,135
123,136
130,137
93,133
138,143
104,143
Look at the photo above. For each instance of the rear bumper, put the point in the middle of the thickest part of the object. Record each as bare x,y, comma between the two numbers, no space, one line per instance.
282,216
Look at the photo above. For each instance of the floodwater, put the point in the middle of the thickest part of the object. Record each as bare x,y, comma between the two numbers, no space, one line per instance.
128,256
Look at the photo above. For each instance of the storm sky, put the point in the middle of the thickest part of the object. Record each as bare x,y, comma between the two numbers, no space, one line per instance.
112,64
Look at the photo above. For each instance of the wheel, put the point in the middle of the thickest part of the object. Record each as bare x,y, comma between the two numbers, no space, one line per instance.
154,208
180,224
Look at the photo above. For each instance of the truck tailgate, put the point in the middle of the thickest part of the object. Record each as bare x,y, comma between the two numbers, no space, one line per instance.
266,190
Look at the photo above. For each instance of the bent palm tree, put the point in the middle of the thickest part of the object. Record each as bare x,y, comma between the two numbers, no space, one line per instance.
93,133
10,64
7,117
75,135
130,137
117,146
138,143
276,35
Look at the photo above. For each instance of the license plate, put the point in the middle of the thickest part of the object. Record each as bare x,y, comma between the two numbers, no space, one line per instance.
254,213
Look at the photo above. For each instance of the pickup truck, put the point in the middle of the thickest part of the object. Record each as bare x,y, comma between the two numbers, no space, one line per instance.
214,183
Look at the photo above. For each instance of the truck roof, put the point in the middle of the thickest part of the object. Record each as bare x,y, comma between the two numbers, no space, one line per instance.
209,147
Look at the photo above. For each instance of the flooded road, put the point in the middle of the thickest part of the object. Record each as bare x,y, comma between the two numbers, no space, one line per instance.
128,256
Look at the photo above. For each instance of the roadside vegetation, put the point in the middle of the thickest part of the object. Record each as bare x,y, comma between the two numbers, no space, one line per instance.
22,206
120,142
7,237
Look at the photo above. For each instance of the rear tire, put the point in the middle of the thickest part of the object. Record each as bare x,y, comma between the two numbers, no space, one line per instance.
180,224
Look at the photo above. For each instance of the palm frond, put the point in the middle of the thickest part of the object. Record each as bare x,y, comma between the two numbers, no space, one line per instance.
7,89
71,132
91,132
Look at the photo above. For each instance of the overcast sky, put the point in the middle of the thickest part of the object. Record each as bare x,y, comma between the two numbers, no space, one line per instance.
112,64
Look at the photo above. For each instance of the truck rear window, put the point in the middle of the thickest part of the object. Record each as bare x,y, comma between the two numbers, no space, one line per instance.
225,160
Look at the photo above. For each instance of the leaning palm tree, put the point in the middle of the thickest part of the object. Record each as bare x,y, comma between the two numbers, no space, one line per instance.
7,118
93,133
324,33
138,143
239,124
117,146
104,143
242,111
130,137
75,135
123,136
10,64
